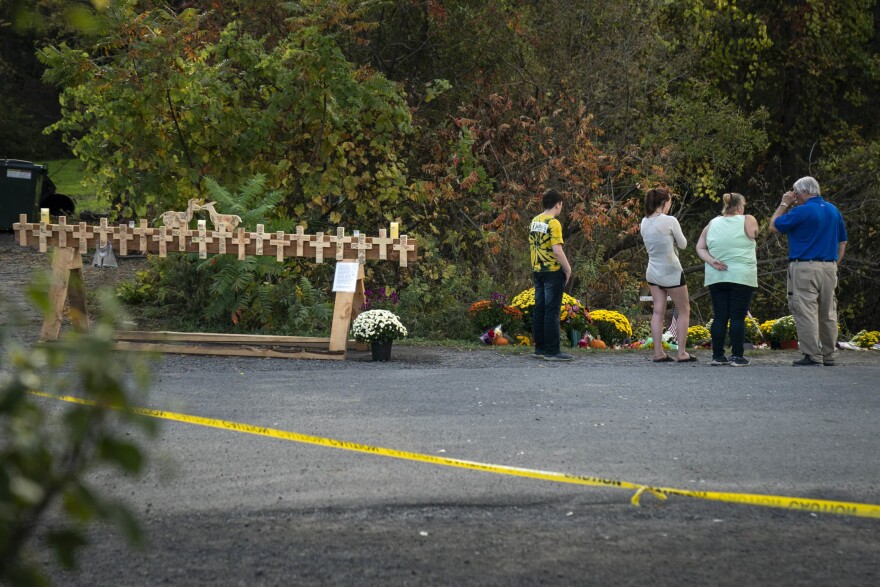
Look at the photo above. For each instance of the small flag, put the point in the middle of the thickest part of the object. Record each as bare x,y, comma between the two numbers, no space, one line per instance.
672,323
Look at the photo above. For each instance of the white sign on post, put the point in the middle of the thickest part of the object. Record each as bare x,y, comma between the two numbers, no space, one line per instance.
346,277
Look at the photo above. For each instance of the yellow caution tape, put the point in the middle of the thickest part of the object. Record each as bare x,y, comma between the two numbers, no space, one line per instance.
863,510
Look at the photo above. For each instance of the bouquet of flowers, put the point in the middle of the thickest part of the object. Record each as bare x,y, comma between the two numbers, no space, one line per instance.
697,335
574,317
485,314
783,329
866,339
495,336
613,326
377,326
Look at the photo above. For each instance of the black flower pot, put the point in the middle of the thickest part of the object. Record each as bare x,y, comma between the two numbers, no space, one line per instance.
381,350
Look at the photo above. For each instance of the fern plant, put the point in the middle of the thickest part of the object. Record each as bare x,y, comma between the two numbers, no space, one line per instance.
223,293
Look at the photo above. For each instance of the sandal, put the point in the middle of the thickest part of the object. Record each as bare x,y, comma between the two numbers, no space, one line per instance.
690,359
666,359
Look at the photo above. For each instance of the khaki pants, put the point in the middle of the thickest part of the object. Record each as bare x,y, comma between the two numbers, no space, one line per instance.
813,304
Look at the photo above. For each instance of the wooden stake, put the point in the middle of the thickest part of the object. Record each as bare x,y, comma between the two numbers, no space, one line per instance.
346,307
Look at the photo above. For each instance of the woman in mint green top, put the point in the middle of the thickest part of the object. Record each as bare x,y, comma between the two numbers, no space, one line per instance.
727,245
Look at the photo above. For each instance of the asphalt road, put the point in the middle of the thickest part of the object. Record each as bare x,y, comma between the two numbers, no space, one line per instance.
222,507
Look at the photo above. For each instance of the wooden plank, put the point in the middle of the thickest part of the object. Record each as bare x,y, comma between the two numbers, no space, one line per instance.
76,293
223,338
347,305
61,262
241,351
245,243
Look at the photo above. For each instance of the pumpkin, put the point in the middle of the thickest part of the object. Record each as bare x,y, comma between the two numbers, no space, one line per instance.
597,344
500,341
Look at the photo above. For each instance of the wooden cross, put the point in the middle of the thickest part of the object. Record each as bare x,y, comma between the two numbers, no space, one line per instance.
241,240
41,232
102,231
142,233
124,236
222,235
182,233
63,229
300,238
361,246
261,236
340,239
22,230
280,242
83,235
164,238
202,239
319,245
403,248
383,241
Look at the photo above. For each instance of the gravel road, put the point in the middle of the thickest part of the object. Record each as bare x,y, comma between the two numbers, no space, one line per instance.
222,507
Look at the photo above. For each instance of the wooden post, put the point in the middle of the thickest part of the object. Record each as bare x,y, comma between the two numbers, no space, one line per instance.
66,282
347,306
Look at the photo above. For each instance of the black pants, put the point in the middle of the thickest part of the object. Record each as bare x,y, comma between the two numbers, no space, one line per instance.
545,314
730,302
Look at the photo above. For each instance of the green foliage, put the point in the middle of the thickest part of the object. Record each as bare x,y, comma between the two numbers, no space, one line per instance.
225,294
228,105
437,312
49,446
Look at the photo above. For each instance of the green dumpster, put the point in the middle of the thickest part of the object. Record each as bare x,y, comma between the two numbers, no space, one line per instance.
21,188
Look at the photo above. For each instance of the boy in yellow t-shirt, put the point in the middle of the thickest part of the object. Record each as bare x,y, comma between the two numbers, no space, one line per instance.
550,272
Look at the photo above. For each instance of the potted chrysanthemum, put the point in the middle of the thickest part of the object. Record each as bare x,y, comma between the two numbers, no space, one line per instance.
379,328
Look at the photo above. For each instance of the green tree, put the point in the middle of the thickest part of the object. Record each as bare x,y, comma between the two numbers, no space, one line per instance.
158,103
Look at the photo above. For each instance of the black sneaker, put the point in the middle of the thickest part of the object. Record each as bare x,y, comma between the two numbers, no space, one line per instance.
739,362
537,355
806,361
558,357
828,361
719,361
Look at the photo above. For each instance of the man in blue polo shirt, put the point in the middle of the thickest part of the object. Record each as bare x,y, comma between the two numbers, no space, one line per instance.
816,242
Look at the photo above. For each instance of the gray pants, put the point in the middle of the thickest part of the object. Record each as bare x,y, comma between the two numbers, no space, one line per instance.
813,304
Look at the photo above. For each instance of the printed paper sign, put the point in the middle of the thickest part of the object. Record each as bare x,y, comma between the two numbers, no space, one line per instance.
346,277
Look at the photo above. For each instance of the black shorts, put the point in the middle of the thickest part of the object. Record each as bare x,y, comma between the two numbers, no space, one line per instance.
681,283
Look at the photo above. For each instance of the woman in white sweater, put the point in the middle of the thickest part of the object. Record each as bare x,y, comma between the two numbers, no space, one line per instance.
662,234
